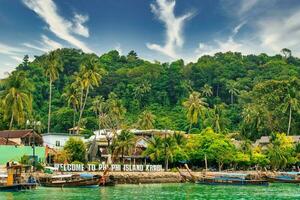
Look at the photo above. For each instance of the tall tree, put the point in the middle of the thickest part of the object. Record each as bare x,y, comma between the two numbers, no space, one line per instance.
89,76
99,107
206,90
116,110
141,90
16,100
146,120
286,52
232,89
215,118
123,144
52,66
195,106
291,103
71,94
154,149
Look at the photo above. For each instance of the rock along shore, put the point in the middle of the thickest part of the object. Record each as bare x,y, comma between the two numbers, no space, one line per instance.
160,177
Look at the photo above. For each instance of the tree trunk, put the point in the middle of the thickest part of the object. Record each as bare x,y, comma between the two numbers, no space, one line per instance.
190,128
74,119
205,160
82,109
99,124
123,156
290,120
167,164
50,99
220,166
11,121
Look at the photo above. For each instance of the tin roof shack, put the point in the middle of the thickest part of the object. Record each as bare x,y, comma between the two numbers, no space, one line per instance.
265,140
22,137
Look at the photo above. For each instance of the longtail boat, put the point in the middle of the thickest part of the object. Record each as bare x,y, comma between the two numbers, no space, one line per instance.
231,179
12,181
71,180
285,177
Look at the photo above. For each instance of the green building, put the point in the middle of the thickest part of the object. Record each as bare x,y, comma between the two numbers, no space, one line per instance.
14,153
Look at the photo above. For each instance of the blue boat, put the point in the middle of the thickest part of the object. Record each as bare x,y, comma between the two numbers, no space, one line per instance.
285,177
231,179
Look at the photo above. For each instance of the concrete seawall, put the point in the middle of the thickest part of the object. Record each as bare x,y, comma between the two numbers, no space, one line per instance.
159,177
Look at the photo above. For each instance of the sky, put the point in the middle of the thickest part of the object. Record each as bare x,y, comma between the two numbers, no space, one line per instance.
163,30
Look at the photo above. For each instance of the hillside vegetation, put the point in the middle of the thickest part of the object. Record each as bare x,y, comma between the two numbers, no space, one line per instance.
250,95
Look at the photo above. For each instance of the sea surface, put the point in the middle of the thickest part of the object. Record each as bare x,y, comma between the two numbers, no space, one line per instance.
160,191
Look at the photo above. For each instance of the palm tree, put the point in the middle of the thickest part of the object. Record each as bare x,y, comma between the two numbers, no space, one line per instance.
89,76
123,144
291,103
169,146
146,120
215,118
206,90
52,67
16,98
232,89
195,106
253,116
72,97
154,148
116,110
179,138
99,107
141,90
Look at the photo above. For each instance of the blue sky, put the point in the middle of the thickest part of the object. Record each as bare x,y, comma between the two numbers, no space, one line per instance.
162,30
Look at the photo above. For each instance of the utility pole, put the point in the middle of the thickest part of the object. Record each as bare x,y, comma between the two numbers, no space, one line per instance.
35,124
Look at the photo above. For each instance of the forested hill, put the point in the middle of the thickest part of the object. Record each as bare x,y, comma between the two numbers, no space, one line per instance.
252,95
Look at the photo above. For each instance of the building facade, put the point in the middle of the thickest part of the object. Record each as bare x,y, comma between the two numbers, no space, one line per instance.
58,140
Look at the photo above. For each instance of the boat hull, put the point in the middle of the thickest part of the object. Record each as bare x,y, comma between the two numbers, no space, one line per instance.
211,181
73,183
281,180
18,187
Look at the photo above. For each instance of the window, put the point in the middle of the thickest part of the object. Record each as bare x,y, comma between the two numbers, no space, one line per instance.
57,143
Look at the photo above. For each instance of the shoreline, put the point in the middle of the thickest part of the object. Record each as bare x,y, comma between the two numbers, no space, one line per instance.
159,177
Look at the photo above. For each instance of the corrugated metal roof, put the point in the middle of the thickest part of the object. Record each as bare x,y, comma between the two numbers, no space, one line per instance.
5,141
15,133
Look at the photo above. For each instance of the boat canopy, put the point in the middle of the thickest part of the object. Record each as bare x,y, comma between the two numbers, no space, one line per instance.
3,175
86,175
63,176
52,168
232,174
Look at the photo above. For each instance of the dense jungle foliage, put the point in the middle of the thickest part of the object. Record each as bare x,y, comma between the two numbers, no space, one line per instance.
246,95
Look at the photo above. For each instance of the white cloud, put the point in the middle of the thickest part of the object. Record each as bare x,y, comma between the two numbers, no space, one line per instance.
50,43
10,50
119,48
45,45
230,44
17,58
32,46
78,26
246,5
61,27
164,10
282,31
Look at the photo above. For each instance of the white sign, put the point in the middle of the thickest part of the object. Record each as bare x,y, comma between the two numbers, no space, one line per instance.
103,167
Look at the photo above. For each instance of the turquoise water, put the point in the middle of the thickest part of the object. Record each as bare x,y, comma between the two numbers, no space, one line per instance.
161,191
